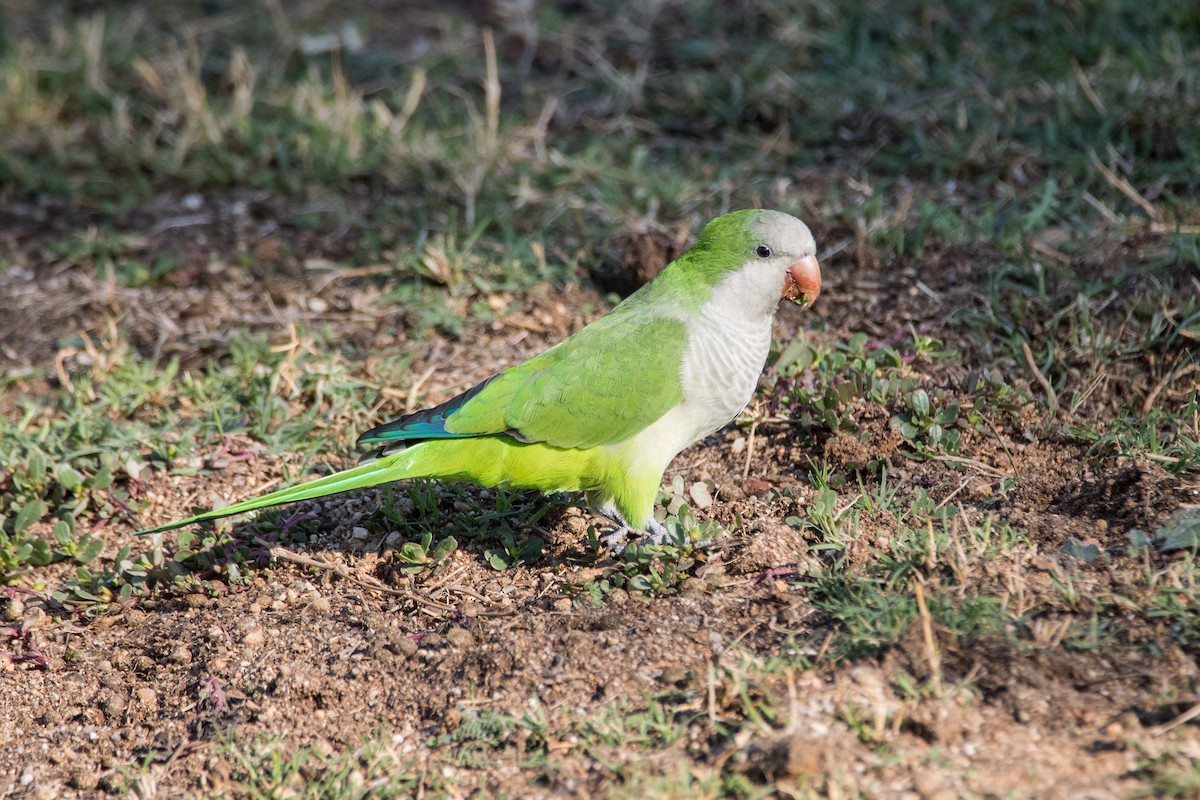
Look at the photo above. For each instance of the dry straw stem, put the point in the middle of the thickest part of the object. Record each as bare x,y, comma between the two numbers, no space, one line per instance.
931,649
1186,716
485,136
1051,396
1126,188
749,449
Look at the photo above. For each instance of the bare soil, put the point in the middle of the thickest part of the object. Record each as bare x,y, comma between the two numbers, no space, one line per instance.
321,659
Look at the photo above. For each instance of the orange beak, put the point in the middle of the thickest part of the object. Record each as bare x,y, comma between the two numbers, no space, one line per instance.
802,282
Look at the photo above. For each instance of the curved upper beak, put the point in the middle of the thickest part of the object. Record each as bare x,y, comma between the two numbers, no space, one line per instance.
803,281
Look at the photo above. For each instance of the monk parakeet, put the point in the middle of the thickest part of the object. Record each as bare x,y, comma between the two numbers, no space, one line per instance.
604,411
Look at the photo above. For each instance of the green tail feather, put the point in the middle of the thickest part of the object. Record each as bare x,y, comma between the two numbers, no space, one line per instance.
373,473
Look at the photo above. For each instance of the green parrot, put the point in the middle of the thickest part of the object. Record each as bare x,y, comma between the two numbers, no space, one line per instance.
606,410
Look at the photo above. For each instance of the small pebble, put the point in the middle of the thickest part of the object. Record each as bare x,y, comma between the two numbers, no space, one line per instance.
34,618
254,637
675,676
85,780
147,697
15,610
755,485
321,605
460,637
932,785
431,640
113,704
981,487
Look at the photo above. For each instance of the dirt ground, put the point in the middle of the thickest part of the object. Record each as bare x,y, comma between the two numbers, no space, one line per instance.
140,701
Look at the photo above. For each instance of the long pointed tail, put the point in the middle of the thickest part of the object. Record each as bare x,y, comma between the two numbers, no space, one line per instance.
372,473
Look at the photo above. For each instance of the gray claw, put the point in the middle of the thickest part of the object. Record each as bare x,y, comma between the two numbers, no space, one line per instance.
658,533
616,539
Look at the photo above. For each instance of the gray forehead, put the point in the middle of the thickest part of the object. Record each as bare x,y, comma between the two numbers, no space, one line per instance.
784,232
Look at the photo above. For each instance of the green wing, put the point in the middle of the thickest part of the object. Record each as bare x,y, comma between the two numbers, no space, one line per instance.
600,386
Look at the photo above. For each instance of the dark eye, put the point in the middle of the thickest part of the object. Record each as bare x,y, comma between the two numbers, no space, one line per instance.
763,251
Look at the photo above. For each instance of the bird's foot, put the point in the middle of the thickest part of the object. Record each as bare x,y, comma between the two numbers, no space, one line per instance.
657,533
619,538
616,539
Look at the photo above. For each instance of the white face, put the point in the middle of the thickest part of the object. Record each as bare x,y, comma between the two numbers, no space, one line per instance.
782,242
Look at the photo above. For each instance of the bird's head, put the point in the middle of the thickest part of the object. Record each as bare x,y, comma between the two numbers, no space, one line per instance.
754,258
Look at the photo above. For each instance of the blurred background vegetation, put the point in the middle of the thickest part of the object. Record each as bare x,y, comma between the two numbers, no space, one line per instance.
974,120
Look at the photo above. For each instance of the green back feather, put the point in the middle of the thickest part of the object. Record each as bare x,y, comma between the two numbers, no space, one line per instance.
604,384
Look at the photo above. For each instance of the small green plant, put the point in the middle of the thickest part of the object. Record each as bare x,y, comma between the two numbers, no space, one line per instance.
82,548
675,513
204,562
1169,773
18,549
510,554
597,591
853,377
421,555
1168,437
822,513
125,257
926,423
846,375
1182,532
272,767
654,569
480,731
32,487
